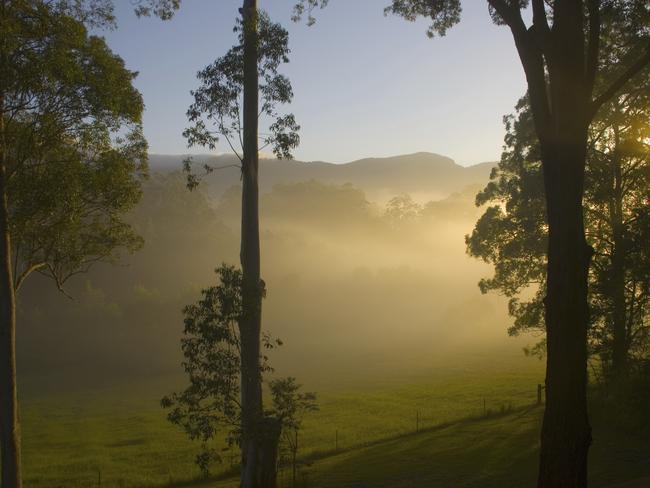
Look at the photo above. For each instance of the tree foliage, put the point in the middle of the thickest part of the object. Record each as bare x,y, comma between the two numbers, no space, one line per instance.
211,350
75,152
442,13
217,108
512,232
211,345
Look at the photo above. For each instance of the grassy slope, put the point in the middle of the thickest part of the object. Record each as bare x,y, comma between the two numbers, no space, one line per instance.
72,434
495,452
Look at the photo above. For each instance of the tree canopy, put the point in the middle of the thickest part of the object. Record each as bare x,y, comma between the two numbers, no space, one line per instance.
74,148
512,232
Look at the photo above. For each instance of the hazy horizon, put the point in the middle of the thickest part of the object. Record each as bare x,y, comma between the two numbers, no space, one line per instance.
264,155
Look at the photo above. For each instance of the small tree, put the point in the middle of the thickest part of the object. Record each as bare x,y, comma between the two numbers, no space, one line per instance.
210,406
290,405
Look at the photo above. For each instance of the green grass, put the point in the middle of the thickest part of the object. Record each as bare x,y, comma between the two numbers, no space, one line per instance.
500,451
73,434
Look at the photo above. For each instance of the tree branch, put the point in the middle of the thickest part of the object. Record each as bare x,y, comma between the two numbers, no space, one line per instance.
629,73
20,279
532,60
540,21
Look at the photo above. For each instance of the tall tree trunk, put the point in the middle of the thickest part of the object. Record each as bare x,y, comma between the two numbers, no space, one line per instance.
9,427
566,433
251,320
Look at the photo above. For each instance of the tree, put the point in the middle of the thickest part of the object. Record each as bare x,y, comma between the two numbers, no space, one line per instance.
71,154
562,58
512,232
227,105
212,350
402,208
618,176
290,405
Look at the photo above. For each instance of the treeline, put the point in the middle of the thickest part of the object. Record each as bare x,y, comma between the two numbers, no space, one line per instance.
319,239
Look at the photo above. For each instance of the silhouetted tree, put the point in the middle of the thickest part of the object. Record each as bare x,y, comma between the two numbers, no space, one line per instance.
562,58
290,406
212,350
212,361
71,151
512,232
227,105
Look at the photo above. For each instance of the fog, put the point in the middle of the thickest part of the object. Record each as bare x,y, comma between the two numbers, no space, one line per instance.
353,286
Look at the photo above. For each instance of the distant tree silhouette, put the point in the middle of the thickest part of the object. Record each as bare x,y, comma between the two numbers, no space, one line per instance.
402,208
71,156
570,45
227,105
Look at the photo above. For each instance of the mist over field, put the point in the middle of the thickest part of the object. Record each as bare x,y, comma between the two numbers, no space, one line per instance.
358,281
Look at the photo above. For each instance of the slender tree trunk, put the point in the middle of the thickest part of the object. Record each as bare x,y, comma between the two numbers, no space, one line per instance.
9,426
566,433
250,323
294,455
619,315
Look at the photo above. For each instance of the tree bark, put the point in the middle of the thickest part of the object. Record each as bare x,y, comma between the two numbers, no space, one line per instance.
252,471
566,433
9,422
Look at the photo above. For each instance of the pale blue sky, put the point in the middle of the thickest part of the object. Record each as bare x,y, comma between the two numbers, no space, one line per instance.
365,85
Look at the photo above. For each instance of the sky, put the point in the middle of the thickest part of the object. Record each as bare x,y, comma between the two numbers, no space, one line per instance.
365,85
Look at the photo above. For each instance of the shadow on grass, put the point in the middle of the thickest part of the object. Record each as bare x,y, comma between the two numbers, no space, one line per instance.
321,455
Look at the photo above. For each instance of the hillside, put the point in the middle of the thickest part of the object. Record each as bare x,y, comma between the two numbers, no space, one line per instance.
425,176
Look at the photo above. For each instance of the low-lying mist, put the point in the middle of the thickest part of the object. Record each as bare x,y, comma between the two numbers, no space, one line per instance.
352,285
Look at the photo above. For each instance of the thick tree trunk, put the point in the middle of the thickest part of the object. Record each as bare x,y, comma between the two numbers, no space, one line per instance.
259,440
269,452
9,427
566,433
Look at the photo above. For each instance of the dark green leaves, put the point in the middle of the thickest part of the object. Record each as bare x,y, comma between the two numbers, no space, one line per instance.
164,9
442,13
74,146
307,6
211,354
216,112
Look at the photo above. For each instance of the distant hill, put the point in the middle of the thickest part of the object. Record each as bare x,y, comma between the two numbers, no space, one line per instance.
425,176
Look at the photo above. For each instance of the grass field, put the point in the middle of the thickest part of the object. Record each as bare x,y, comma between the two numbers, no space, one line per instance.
118,435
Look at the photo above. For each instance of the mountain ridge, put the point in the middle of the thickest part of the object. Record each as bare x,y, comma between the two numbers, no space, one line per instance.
423,175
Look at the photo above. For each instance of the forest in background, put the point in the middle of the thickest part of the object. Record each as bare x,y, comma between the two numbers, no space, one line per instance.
328,246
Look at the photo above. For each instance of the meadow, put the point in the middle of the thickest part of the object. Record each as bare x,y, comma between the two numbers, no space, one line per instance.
400,427
116,434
